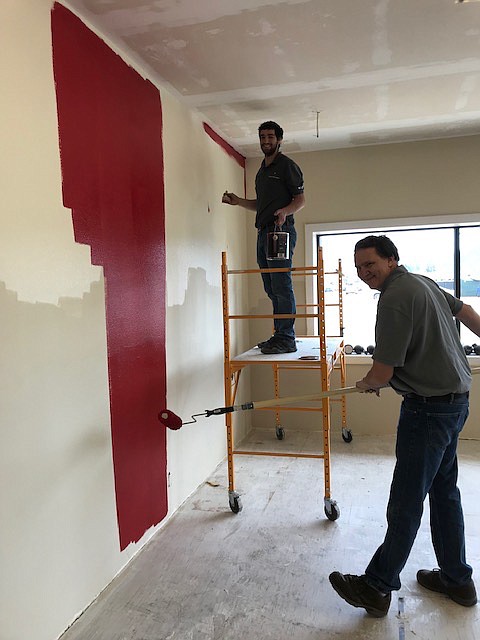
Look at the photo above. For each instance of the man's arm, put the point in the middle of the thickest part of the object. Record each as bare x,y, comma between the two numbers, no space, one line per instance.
297,203
379,376
470,318
233,199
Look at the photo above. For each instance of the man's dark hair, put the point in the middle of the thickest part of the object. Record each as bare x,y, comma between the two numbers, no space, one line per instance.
382,245
272,125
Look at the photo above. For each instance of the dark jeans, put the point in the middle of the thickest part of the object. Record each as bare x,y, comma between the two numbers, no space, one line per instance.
426,453
278,286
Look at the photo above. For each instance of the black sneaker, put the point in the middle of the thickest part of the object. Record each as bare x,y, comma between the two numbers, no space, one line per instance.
357,592
279,345
466,594
265,342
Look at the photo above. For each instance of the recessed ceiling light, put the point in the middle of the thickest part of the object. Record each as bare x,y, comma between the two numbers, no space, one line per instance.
465,1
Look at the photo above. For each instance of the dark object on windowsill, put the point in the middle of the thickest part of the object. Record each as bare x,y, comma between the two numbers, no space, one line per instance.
358,349
473,350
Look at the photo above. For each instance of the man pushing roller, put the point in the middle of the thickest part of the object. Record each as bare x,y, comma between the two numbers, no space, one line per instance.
418,353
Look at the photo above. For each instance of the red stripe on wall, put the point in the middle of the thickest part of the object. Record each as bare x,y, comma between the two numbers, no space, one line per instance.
224,144
110,132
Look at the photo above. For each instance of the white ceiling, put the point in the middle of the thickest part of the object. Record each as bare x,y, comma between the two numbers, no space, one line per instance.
369,71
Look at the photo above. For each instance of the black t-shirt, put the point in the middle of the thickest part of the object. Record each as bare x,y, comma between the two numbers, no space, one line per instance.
275,187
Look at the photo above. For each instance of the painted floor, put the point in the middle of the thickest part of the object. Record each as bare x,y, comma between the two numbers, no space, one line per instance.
262,574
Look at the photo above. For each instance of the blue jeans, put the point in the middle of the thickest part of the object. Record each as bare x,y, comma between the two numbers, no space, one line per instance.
278,286
426,453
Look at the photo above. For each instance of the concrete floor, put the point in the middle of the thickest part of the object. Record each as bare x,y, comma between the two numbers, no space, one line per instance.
263,574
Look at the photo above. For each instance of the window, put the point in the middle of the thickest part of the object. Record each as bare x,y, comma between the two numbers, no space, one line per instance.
447,253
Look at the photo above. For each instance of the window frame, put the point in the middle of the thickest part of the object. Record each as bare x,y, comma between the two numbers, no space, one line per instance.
313,230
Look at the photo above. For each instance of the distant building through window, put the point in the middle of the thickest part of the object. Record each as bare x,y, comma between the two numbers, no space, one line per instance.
446,253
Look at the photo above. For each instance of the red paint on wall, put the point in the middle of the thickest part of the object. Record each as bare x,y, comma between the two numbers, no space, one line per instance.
110,131
233,153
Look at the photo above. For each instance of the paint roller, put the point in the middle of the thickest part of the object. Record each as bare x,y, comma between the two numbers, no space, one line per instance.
174,422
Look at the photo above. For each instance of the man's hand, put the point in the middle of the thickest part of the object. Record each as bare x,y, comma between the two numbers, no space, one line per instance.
366,388
378,377
280,217
230,198
297,203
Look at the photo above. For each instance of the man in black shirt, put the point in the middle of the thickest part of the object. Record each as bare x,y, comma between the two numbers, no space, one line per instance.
279,191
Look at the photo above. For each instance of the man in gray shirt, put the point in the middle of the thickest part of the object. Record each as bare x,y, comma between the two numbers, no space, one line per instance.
417,352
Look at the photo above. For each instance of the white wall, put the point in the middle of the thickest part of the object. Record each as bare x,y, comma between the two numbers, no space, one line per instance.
199,228
59,536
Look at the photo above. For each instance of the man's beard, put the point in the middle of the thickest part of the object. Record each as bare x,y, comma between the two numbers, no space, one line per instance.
271,152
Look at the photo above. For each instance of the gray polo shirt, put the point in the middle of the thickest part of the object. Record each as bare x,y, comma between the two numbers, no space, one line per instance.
416,333
275,187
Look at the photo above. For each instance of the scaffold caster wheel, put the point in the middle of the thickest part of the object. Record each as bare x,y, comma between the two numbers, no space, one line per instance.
235,502
331,509
280,431
347,435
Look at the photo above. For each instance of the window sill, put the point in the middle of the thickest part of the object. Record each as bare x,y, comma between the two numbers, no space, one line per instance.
358,359
473,361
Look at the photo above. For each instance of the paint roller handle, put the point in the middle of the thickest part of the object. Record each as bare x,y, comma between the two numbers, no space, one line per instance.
279,401
221,410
